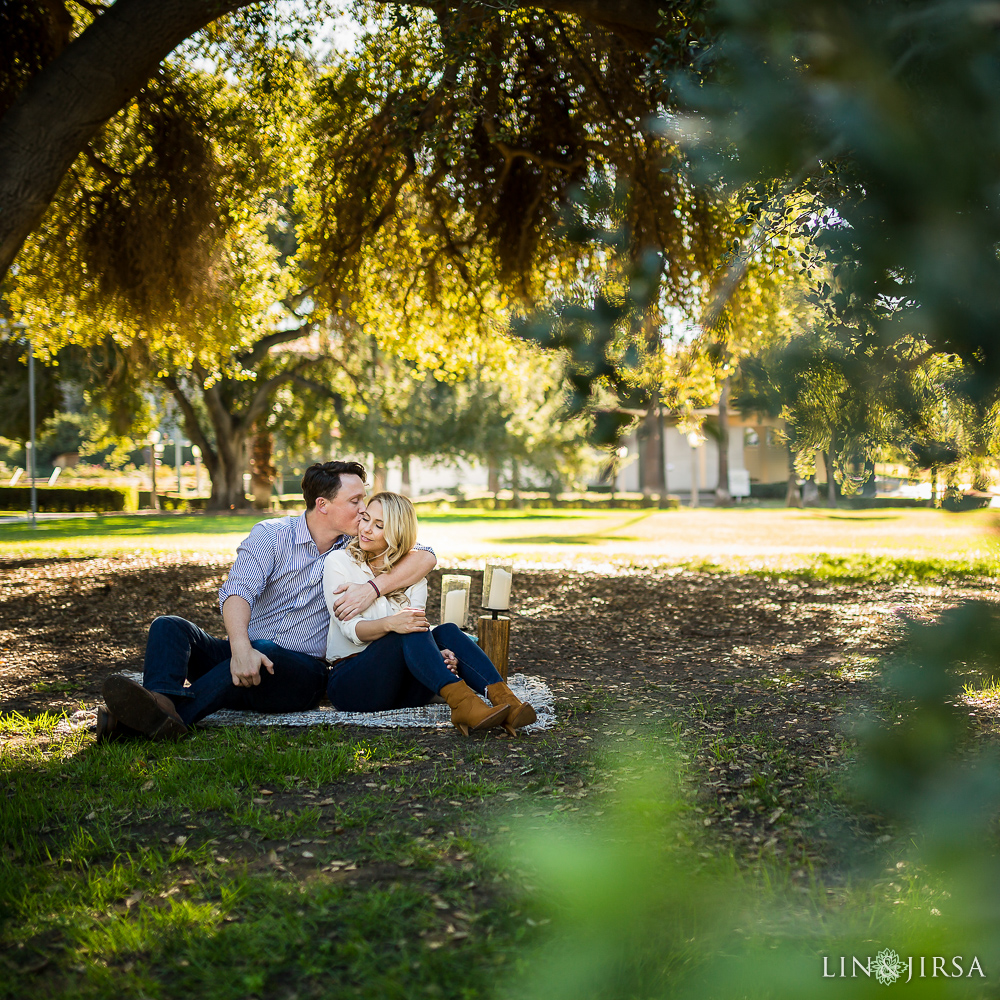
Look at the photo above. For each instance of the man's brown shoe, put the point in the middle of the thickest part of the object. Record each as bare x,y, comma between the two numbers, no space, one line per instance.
106,728
147,711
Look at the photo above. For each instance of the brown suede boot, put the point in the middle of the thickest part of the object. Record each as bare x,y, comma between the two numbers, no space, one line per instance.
521,713
468,710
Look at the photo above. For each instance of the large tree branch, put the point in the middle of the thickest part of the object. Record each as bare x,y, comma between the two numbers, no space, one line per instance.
322,390
218,413
191,422
259,401
65,104
260,349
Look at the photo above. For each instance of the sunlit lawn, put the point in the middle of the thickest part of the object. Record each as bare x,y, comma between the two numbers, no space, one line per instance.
756,538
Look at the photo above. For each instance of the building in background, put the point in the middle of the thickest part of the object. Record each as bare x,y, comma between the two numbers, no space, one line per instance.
757,455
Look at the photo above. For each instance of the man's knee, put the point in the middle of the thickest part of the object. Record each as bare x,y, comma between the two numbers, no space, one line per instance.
165,626
267,647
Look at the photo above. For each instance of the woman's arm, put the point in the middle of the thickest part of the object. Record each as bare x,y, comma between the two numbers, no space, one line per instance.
414,566
407,620
336,575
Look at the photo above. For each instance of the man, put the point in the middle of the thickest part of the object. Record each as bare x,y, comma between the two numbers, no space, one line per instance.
275,615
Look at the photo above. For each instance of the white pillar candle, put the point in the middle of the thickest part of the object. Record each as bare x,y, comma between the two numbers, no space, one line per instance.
454,607
499,590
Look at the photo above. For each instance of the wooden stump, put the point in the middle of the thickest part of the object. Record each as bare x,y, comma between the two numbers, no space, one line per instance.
494,641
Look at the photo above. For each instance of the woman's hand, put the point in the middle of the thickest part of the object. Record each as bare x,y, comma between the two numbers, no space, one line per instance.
450,660
408,620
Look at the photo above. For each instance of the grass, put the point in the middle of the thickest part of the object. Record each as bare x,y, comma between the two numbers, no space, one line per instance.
840,546
246,863
216,868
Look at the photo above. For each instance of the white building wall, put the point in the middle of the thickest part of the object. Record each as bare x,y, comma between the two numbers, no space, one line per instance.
429,477
678,455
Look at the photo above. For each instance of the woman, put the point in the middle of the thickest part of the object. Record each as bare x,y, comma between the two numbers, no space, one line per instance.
388,657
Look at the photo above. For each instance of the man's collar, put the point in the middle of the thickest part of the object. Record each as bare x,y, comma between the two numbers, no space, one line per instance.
302,533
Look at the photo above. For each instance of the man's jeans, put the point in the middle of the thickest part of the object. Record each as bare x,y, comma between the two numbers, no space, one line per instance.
177,650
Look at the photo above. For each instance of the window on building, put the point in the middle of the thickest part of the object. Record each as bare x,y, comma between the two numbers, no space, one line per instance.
750,438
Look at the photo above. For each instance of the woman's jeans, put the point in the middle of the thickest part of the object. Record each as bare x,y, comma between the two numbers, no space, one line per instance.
177,650
404,671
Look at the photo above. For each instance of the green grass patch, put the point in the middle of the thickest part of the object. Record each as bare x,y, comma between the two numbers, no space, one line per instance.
222,867
863,568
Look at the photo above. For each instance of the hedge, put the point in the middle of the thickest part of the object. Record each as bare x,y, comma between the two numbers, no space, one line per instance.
172,502
69,499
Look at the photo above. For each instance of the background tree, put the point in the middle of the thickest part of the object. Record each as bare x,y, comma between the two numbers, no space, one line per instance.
14,409
870,132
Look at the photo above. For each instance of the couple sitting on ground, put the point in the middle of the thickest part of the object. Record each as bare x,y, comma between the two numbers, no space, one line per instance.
330,602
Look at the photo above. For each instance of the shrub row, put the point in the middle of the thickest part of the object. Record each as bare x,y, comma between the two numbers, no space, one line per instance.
70,499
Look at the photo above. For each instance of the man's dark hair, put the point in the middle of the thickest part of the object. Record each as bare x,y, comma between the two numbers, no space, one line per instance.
323,480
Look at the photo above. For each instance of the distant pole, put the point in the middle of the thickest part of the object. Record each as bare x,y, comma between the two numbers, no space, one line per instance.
177,460
196,451
154,440
31,431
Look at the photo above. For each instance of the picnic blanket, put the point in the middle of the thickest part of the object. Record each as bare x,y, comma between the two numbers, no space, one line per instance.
530,689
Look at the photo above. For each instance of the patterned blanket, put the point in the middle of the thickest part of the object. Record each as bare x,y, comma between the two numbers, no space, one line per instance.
531,689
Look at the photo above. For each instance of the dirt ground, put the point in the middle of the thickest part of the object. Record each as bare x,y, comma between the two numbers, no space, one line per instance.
768,669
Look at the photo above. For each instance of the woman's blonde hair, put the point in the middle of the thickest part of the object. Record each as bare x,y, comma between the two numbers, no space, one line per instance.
399,521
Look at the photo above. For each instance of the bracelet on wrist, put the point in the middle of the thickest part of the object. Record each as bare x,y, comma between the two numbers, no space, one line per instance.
375,585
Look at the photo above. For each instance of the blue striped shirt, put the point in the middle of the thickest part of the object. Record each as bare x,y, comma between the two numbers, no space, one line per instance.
279,572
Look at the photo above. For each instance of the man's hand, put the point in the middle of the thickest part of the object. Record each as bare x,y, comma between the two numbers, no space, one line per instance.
450,660
245,667
354,598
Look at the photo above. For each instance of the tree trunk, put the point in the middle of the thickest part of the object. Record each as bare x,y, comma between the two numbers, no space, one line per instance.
404,464
262,470
831,483
493,477
870,487
515,484
379,473
226,472
225,458
793,497
934,485
652,451
154,497
723,498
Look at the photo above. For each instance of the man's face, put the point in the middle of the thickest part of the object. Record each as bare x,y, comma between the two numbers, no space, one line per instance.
344,511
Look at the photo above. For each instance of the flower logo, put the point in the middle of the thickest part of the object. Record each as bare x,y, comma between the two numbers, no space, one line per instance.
888,966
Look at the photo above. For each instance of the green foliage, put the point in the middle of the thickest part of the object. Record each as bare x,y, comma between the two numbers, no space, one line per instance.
474,126
599,337
870,131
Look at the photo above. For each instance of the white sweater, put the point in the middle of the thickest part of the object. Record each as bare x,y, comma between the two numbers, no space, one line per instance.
342,639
